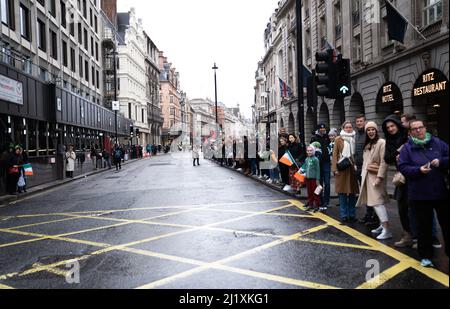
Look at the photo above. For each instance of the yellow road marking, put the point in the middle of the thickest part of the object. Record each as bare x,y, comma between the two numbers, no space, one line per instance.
55,271
337,244
276,278
5,287
41,223
155,208
384,276
111,248
403,258
227,260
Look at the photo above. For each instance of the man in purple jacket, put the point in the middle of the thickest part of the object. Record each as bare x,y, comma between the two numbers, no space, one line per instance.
424,162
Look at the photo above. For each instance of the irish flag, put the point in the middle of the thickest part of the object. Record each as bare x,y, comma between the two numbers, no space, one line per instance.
287,159
300,177
28,170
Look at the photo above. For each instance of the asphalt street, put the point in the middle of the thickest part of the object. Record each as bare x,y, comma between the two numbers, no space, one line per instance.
162,223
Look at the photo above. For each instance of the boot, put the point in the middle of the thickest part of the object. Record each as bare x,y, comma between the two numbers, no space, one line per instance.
406,241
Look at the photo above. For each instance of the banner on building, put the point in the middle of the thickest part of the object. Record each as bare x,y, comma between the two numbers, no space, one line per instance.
11,90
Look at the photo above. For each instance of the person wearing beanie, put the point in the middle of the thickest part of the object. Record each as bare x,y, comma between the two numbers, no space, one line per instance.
312,172
373,179
321,137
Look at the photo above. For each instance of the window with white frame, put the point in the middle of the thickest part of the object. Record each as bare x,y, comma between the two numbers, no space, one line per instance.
432,11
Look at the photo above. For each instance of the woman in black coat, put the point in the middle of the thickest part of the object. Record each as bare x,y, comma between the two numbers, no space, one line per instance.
396,136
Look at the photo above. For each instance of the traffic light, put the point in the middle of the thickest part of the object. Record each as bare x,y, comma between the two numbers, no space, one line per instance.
138,133
344,86
326,74
131,131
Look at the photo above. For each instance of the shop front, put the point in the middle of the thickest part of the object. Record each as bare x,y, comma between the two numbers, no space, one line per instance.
430,99
44,119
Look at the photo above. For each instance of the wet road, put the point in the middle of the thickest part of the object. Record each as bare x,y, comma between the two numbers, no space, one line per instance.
161,223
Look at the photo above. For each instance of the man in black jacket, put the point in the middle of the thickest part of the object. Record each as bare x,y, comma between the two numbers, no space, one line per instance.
321,136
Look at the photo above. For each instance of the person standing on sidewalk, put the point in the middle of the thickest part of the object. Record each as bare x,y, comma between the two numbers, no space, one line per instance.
346,182
118,154
71,156
312,171
284,169
396,137
424,162
373,186
298,153
321,136
195,155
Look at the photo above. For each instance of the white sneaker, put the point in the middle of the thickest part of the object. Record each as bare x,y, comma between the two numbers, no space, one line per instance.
287,188
385,235
269,181
378,230
239,169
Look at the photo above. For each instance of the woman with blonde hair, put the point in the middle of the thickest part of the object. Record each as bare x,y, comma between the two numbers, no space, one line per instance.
344,169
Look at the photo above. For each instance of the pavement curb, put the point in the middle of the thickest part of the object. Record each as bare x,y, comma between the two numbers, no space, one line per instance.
7,199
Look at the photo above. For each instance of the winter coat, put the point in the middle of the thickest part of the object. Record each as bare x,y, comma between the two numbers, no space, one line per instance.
297,152
346,182
371,195
324,143
360,141
70,157
312,168
195,153
421,187
394,142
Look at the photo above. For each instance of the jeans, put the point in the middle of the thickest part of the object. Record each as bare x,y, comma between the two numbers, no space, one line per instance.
347,203
253,166
414,225
325,175
274,174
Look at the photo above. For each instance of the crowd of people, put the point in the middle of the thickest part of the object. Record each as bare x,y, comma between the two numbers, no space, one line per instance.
12,172
359,158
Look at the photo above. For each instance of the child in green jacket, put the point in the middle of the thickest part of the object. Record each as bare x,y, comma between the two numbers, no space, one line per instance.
312,171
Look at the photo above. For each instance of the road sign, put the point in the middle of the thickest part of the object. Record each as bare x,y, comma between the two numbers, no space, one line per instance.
115,105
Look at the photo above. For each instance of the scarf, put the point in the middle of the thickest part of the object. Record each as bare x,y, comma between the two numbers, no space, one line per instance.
349,144
420,142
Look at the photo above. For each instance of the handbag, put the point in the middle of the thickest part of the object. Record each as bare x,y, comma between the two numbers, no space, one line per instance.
13,170
399,179
344,164
373,168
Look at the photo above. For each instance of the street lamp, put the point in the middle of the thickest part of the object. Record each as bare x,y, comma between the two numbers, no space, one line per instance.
114,53
215,68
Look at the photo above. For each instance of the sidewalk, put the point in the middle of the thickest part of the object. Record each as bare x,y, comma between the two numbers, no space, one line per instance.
333,195
6,199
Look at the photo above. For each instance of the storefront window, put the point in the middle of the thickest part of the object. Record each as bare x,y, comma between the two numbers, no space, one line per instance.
43,137
32,138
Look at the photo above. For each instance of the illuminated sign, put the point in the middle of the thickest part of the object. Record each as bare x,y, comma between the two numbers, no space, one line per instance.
431,82
389,94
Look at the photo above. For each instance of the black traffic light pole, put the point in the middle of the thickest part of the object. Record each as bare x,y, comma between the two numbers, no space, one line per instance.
300,82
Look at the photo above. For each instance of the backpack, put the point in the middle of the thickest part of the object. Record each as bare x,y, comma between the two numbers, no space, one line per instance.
117,154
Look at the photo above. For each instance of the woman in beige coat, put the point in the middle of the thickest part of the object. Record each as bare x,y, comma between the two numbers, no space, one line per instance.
345,180
373,185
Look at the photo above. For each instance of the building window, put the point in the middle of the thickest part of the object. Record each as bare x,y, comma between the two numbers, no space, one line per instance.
41,35
93,76
54,46
92,47
7,13
63,14
357,48
52,9
80,62
72,60
432,12
96,52
97,73
171,99
72,29
64,52
96,24
25,29
86,70
84,9
80,34
86,42
129,110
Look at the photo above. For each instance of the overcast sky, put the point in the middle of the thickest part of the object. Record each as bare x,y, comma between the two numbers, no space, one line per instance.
196,33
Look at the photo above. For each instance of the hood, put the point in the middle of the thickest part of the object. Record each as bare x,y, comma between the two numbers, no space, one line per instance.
396,120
